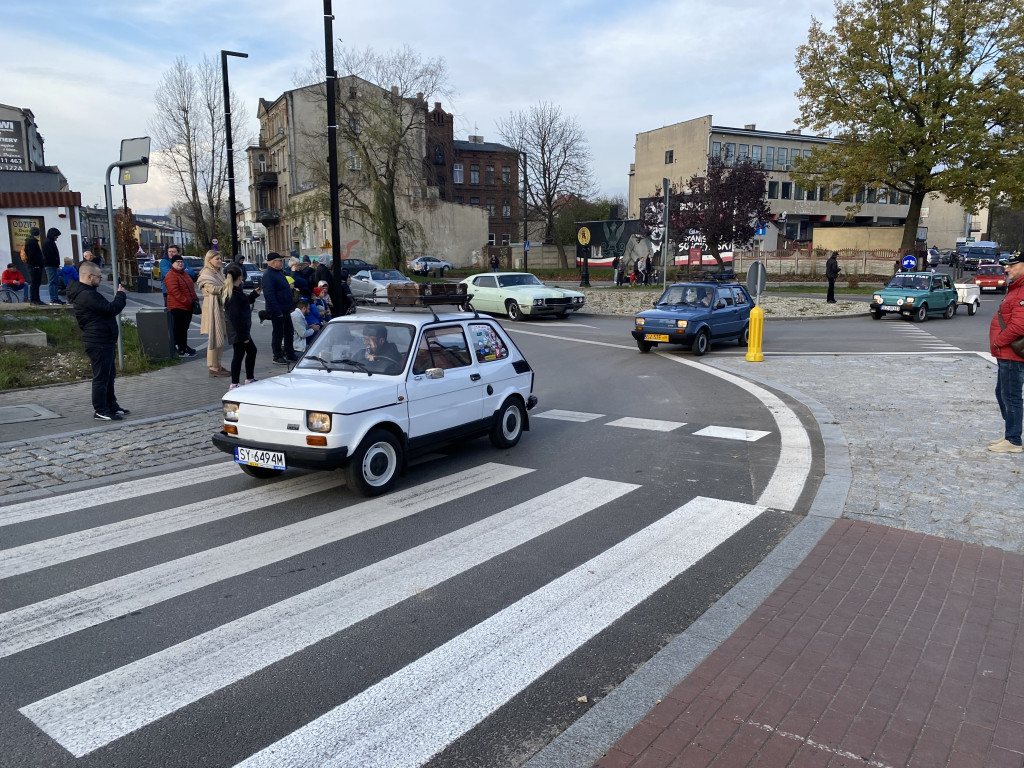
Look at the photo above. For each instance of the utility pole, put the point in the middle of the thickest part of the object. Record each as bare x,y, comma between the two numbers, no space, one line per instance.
231,153
332,149
526,234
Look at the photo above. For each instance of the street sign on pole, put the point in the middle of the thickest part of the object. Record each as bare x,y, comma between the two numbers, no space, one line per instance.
133,167
909,263
757,279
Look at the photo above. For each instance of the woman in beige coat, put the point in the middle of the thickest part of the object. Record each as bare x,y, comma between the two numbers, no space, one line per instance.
214,323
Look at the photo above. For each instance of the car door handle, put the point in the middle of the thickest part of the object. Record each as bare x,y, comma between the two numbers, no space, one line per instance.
474,377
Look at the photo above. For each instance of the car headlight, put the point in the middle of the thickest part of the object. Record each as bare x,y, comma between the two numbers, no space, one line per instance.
910,300
877,298
538,302
317,421
681,324
639,321
230,411
578,299
1000,282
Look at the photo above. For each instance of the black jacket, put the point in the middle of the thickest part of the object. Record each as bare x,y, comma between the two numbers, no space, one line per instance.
323,272
277,292
832,269
51,254
96,316
306,273
33,255
239,315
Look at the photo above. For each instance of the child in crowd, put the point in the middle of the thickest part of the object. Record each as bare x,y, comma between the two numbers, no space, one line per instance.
68,272
302,331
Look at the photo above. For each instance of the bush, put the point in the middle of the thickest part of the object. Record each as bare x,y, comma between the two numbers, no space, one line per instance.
853,281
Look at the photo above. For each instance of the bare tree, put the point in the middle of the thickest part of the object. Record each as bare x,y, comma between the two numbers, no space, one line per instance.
189,133
381,101
558,159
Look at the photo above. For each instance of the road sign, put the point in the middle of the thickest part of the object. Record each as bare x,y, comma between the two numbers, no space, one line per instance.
757,278
761,231
583,236
526,246
909,262
133,167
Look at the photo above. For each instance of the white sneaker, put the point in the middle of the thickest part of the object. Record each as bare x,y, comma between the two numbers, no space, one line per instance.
1005,447
997,442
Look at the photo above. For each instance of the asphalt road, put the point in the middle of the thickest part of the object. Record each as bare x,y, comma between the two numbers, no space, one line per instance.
264,622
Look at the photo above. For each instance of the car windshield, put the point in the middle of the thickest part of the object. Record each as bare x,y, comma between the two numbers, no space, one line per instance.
387,274
688,294
510,281
991,271
911,282
366,346
977,250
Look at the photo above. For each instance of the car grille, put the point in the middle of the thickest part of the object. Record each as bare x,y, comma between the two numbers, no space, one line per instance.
557,302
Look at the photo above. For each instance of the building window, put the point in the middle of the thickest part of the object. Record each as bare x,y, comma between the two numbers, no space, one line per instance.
807,153
860,195
490,239
773,190
474,174
457,173
505,239
506,210
755,153
812,193
787,190
474,201
872,195
353,126
458,199
669,156
506,175
354,163
798,192
489,175
716,149
744,152
490,208
263,163
769,158
730,153
783,157
438,155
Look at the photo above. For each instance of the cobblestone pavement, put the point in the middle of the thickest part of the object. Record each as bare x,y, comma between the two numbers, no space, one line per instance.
917,428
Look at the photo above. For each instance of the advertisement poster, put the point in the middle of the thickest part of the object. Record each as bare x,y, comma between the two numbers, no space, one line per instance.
12,146
18,228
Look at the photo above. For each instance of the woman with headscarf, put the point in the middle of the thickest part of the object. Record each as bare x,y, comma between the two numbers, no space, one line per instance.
214,324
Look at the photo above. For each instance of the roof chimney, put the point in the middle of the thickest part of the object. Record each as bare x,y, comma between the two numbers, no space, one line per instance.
750,127
476,139
793,131
437,106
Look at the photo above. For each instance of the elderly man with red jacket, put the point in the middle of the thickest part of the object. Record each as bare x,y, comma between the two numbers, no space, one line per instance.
1008,325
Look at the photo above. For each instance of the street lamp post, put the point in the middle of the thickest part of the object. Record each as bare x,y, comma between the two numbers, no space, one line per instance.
526,234
331,79
231,153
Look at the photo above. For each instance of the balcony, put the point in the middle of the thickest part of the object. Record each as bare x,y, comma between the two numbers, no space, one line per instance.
269,216
266,179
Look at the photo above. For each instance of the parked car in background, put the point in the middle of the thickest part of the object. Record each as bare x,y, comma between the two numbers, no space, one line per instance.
916,295
423,265
356,265
193,265
371,285
991,277
521,294
253,275
934,257
696,315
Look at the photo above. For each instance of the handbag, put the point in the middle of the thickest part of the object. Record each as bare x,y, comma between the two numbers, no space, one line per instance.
197,307
1017,345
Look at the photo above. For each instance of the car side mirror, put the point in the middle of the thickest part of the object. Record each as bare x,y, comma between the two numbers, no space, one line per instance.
434,373
654,303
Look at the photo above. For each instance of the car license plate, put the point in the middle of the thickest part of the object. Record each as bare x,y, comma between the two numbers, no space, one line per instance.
257,458
656,337
890,308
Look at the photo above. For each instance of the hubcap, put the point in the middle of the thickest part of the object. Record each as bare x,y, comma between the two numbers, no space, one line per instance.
379,464
510,424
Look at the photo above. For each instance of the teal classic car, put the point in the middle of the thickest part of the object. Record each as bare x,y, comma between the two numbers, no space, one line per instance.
521,294
916,295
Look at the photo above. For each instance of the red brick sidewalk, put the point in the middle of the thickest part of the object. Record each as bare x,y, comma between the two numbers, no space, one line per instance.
884,648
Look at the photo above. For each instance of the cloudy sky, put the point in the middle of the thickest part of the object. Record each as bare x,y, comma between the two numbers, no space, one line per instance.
88,69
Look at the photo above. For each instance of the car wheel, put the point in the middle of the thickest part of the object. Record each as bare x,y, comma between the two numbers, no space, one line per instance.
260,473
375,464
972,308
701,343
643,346
921,313
744,339
876,313
513,310
950,310
508,426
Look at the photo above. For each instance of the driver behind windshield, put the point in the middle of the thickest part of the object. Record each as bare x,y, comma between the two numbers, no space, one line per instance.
376,347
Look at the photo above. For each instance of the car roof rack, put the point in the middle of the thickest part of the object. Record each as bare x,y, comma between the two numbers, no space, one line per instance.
458,300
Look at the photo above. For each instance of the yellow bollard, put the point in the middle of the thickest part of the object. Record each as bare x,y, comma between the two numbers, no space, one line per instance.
754,354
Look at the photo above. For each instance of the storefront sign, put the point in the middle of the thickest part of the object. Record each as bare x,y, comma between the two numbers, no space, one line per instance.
12,146
18,228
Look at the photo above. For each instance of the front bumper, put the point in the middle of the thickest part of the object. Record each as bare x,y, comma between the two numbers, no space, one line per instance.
674,337
294,456
905,309
536,311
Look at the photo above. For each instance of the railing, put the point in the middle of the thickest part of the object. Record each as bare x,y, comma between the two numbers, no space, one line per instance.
268,215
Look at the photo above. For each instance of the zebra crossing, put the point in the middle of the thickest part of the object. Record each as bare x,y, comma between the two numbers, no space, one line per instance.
919,338
412,713
654,425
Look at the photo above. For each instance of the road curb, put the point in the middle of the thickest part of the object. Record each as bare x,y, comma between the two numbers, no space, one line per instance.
586,740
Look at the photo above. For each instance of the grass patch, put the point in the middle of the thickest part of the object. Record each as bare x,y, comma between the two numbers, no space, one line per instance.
63,358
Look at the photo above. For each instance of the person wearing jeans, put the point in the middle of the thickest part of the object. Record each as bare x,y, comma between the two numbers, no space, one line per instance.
1008,325
277,294
51,261
180,297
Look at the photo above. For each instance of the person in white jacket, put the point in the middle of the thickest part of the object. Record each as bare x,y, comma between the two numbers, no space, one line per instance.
302,332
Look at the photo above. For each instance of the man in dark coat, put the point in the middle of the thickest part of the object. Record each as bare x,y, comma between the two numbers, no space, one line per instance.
97,318
278,296
51,262
34,260
832,271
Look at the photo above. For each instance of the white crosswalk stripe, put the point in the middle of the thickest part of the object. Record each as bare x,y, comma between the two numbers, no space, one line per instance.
654,425
407,718
48,620
106,708
94,497
731,433
559,415
922,339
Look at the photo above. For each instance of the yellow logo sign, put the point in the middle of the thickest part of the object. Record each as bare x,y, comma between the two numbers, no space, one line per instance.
583,236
